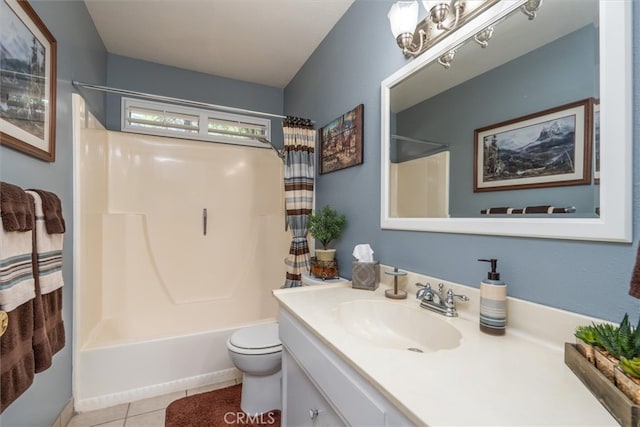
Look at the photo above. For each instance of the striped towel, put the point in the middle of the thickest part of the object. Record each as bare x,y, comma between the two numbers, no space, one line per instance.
49,251
48,326
52,209
16,269
17,284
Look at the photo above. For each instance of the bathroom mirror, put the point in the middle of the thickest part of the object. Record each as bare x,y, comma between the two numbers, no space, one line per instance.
529,74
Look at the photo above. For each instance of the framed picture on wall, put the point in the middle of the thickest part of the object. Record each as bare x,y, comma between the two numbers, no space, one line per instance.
549,148
28,76
596,142
340,142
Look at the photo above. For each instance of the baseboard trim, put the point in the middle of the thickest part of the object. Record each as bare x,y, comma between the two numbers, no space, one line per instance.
65,415
132,395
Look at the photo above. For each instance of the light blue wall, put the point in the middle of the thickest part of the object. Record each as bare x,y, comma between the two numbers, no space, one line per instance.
346,69
81,56
148,77
497,96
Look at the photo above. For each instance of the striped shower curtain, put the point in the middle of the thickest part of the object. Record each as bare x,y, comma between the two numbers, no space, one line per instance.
299,143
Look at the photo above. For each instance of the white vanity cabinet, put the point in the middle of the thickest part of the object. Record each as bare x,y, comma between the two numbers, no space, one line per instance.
304,405
321,389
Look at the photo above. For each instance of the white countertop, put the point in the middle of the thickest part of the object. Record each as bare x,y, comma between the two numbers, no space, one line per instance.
516,379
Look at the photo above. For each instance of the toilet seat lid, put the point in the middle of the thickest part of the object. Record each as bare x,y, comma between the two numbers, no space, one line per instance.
256,337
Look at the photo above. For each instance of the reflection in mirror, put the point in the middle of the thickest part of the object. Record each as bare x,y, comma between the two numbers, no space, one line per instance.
526,66
411,197
508,81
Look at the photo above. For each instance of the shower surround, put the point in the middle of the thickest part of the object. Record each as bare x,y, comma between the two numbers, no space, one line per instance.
157,294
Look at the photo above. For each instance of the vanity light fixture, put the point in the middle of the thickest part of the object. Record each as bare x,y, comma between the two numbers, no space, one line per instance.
403,16
530,8
443,17
483,37
445,60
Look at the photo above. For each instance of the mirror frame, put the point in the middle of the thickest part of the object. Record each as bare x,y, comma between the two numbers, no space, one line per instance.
615,221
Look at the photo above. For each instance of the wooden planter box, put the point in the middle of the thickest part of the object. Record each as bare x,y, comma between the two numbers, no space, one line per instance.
587,350
629,386
625,411
606,364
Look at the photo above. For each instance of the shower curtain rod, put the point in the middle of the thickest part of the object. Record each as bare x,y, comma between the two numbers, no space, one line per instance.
174,100
421,141
191,103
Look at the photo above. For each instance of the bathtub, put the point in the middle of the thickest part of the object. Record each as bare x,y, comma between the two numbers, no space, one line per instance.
155,294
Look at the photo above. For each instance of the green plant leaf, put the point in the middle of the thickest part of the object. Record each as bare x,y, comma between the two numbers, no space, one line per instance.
586,334
630,367
626,338
326,225
620,341
607,337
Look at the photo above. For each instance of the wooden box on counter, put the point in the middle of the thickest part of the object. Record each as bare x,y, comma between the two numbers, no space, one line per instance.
617,403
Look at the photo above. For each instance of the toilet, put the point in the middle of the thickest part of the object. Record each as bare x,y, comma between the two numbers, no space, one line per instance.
257,352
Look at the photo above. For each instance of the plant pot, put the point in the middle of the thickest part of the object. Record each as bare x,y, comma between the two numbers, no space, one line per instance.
628,385
324,269
606,363
587,350
325,254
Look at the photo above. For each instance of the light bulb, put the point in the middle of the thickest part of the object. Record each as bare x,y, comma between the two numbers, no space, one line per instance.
403,17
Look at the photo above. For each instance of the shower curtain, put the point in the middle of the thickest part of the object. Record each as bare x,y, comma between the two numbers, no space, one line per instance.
299,143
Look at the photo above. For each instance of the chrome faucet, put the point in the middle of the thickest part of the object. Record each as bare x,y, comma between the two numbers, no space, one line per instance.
433,300
426,293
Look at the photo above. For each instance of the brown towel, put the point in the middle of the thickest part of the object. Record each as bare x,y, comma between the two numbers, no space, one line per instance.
52,208
42,353
49,335
17,366
634,290
501,210
537,209
19,344
41,347
547,209
52,308
35,333
15,208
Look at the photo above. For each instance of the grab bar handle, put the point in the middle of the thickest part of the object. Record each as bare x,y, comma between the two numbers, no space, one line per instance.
204,221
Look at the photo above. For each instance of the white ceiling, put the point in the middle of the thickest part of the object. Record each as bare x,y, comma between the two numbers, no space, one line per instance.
258,41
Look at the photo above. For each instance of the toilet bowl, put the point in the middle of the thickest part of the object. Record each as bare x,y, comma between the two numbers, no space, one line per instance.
257,352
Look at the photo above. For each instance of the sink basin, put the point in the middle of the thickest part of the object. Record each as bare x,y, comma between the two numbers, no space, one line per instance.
394,325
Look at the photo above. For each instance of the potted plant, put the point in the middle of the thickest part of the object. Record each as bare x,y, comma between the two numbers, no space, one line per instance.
617,353
627,375
586,341
608,349
325,226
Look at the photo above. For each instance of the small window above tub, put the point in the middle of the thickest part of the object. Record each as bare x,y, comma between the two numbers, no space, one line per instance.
164,119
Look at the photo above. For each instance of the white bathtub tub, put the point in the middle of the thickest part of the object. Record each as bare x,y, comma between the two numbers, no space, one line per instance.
155,297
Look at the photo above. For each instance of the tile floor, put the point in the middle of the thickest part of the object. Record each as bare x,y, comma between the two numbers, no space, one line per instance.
142,413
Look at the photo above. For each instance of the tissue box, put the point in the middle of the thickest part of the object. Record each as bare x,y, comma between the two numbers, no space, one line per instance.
365,275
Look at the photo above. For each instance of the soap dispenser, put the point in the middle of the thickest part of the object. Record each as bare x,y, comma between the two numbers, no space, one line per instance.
493,302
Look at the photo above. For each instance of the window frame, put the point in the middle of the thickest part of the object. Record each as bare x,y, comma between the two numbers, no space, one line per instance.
203,115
